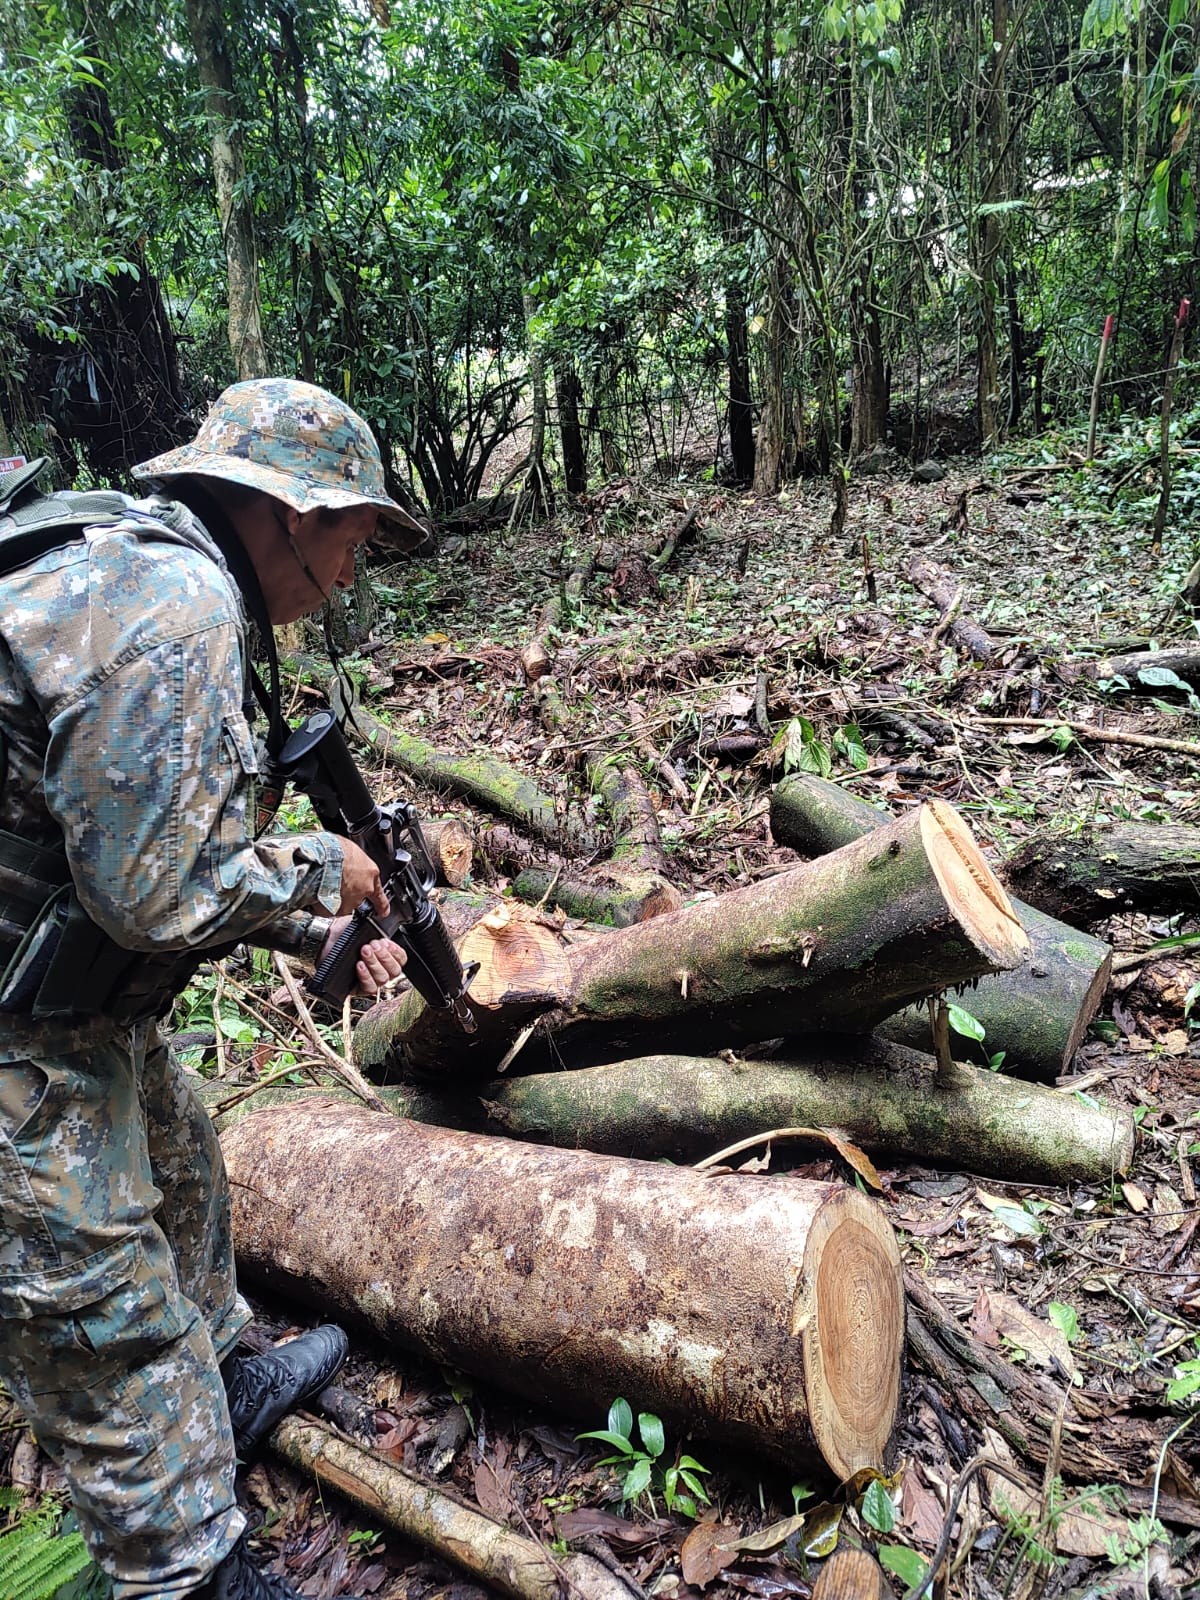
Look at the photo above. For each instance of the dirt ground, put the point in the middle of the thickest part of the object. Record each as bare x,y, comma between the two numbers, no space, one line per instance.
760,645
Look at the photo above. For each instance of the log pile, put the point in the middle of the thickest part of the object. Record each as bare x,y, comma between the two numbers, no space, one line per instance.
767,1312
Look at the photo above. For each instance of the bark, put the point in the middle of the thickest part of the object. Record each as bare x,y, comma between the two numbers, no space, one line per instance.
868,388
1126,866
945,592
852,1575
212,45
1038,1014
765,1313
884,1097
500,1558
837,944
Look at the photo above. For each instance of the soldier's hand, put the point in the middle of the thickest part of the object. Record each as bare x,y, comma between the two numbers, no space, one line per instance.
360,881
379,961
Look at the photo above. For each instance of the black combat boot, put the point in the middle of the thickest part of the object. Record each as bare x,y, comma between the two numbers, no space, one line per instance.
239,1578
262,1389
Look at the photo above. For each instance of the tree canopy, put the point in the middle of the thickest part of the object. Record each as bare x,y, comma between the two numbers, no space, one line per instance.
632,229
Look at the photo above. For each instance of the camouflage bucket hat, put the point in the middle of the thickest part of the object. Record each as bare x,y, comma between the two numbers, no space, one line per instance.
294,441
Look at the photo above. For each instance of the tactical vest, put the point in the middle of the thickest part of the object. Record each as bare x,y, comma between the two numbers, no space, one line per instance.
55,962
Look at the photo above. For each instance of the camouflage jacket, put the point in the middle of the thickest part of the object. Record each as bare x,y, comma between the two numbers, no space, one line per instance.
122,669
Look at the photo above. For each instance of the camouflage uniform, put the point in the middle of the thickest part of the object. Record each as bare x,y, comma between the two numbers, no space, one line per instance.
122,672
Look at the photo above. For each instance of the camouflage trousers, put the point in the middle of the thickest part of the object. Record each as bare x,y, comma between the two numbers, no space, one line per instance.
117,1301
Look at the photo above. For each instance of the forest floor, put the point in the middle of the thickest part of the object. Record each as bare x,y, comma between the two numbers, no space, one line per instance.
1099,1291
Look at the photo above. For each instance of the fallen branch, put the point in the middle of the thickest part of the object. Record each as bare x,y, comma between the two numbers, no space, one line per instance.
343,1070
1081,730
504,1560
946,594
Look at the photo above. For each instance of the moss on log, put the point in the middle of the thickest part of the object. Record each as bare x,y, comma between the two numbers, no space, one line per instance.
884,1097
835,945
767,1313
1037,1014
1126,866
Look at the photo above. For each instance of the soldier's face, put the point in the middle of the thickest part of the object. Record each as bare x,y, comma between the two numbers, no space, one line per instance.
314,555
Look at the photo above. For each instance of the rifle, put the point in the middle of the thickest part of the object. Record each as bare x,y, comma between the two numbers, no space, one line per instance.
317,759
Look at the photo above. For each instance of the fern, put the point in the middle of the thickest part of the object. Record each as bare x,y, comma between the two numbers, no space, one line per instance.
36,1560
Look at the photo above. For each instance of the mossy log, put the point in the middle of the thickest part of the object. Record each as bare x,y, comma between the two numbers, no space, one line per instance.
480,779
613,895
508,1562
762,1312
1037,1014
1124,866
886,1098
835,945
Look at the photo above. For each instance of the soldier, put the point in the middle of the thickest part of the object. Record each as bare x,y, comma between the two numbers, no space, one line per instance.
128,853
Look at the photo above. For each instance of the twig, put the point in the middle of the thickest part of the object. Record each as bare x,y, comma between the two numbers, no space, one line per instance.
218,1030
1085,730
349,1074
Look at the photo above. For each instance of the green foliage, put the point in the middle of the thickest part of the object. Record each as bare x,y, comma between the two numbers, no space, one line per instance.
969,1027
640,1470
36,1558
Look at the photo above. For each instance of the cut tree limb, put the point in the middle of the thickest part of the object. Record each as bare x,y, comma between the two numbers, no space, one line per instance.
882,1096
451,847
1184,662
1037,1014
766,1313
834,945
502,1559
937,585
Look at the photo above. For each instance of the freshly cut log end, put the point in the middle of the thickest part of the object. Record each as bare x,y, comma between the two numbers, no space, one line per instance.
969,885
518,956
851,1376
765,1313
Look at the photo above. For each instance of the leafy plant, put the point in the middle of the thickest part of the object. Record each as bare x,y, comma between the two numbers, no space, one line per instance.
640,1469
36,1558
969,1027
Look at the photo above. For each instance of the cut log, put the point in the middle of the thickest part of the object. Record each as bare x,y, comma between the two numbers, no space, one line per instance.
762,1312
502,1559
946,593
852,1575
884,1097
1126,866
835,945
1037,1015
450,848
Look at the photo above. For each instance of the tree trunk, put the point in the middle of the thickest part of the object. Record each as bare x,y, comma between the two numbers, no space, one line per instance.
572,1277
773,418
212,49
868,384
882,1096
1037,1014
537,496
1126,866
728,157
568,393
837,944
